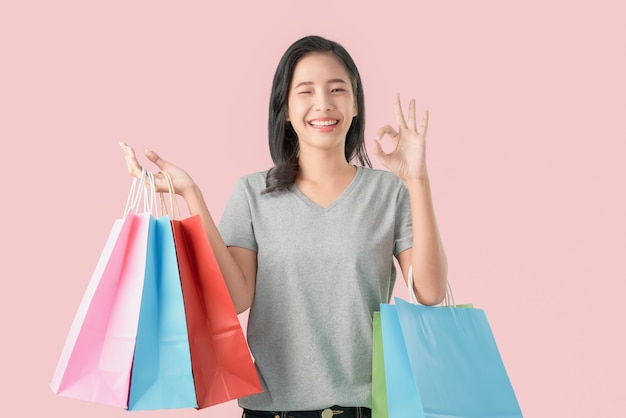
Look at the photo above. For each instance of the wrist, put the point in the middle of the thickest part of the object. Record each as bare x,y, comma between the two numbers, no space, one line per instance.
422,181
190,191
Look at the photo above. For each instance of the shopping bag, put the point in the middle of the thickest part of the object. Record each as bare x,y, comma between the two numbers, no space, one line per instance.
161,372
97,356
379,384
455,361
222,365
403,397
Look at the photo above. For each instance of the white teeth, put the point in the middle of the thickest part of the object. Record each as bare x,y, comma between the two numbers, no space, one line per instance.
323,122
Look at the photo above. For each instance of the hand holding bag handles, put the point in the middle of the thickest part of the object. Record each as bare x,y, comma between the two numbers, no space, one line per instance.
156,305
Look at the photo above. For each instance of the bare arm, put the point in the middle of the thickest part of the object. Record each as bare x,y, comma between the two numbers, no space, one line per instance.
408,161
238,265
427,256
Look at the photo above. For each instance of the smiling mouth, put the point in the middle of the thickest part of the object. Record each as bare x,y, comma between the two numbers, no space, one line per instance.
318,123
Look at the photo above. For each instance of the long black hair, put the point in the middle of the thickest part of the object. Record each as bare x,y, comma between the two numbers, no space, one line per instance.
283,141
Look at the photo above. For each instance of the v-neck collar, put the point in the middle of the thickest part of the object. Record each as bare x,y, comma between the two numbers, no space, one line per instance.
334,203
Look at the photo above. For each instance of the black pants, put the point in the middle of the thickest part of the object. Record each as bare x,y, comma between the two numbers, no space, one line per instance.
332,412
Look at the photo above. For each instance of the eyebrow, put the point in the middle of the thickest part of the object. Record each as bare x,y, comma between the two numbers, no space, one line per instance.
332,80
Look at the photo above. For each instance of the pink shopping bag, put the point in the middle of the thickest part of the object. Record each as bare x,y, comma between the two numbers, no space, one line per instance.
96,361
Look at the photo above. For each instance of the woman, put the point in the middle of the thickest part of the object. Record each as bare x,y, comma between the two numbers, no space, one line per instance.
308,246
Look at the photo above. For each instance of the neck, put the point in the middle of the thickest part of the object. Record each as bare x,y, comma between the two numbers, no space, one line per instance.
320,167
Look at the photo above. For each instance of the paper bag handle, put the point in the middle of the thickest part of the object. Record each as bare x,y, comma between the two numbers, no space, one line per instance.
172,197
137,192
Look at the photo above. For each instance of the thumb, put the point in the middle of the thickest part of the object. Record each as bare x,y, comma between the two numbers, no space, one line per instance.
380,153
154,157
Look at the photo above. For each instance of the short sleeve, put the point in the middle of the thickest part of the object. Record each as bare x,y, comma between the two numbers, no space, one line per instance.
236,225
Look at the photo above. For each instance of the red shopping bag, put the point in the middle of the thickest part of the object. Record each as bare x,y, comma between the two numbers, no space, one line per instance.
222,365
97,357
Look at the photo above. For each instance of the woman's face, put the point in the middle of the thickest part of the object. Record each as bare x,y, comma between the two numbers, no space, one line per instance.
321,102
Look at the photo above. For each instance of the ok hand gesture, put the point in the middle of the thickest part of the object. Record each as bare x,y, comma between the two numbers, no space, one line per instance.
408,158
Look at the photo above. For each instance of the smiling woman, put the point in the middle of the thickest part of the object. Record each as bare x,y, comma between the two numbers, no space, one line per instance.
315,226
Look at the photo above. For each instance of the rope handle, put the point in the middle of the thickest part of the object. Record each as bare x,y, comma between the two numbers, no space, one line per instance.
172,197
138,193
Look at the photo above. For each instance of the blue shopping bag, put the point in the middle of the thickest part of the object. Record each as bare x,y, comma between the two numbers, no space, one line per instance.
161,373
455,361
403,398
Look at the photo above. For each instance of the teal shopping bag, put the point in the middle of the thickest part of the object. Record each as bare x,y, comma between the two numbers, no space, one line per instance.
456,363
403,398
161,373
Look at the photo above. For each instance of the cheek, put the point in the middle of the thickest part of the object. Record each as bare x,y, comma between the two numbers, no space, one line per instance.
290,116
289,111
294,111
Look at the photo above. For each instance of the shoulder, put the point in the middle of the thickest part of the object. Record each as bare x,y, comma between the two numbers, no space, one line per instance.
253,182
251,187
381,178
247,188
382,189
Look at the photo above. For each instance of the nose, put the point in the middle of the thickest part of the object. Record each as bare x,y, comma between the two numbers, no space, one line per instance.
323,102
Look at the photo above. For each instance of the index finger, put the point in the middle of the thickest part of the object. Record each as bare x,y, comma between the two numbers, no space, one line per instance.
133,166
399,115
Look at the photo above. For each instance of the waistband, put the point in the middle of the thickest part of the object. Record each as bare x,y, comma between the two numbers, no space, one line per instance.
331,412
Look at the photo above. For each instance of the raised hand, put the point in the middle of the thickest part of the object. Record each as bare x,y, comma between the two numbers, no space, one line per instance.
408,158
182,181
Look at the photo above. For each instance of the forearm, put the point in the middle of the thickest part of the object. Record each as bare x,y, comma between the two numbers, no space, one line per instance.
427,256
240,287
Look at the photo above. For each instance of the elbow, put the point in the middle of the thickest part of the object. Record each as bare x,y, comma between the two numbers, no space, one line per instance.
241,304
432,299
241,309
434,292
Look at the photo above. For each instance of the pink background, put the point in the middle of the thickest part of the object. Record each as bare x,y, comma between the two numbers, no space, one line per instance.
526,150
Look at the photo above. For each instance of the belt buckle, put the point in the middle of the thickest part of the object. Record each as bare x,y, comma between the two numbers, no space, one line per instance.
327,413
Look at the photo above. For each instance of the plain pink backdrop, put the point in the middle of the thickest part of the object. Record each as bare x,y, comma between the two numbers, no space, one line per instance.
526,149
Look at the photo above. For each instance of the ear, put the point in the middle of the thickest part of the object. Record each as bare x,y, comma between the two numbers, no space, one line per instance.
355,111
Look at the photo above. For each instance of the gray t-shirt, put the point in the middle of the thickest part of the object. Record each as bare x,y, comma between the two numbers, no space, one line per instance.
321,274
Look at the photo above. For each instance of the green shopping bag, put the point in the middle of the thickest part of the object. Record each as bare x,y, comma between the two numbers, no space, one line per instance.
379,383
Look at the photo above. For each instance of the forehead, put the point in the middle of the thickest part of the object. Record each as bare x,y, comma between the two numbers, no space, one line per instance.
319,67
